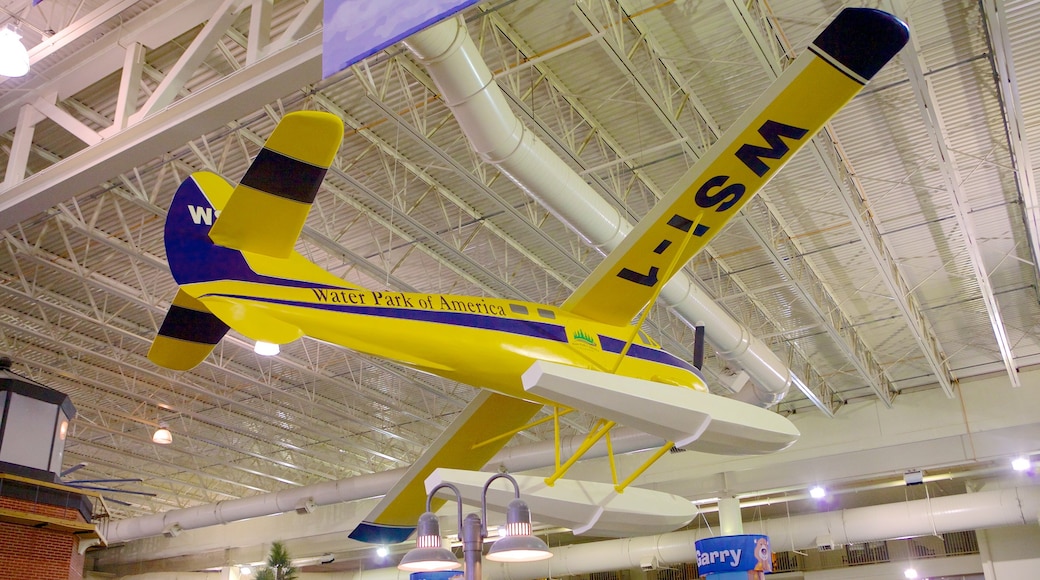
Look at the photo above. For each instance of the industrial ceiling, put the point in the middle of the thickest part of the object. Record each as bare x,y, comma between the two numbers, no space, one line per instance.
896,253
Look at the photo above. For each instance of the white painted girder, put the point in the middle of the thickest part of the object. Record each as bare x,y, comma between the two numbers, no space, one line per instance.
238,94
1007,83
825,155
854,348
928,106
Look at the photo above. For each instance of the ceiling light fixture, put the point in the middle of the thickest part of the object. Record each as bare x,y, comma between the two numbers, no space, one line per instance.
265,348
1021,463
817,492
910,573
14,58
517,543
162,435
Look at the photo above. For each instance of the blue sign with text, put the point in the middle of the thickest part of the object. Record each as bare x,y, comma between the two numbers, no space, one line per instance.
734,554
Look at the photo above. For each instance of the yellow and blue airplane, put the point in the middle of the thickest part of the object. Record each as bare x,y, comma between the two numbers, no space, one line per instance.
231,250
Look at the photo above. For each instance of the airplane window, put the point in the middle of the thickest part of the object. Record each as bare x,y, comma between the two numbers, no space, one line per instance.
518,309
546,313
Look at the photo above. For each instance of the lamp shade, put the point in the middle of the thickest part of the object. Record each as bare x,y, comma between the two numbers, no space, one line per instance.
14,59
428,555
518,544
162,435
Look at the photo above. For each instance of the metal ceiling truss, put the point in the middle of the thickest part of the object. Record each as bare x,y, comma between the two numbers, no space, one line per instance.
1007,83
929,109
826,150
407,205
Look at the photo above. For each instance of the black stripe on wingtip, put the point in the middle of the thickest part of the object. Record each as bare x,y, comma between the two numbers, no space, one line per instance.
192,325
277,174
863,39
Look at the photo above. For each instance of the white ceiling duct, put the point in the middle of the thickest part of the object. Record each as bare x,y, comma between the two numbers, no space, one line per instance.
515,459
1004,507
468,88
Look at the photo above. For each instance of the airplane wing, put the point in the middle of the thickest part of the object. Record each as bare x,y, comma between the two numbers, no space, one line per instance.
797,105
269,206
489,414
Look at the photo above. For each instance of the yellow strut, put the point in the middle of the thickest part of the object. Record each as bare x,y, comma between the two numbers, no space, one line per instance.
620,488
657,291
595,435
554,418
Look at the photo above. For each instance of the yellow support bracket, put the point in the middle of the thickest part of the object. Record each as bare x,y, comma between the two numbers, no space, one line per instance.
601,429
657,291
555,417
620,488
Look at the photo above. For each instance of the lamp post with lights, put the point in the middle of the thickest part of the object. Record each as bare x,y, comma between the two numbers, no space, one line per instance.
516,545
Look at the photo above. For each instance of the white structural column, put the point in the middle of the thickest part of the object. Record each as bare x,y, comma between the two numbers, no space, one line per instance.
1010,553
28,116
729,517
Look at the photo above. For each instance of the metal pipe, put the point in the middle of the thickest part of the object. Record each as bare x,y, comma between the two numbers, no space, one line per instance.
521,458
468,88
969,511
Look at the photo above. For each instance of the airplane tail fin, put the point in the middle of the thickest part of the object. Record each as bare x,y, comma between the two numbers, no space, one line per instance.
218,236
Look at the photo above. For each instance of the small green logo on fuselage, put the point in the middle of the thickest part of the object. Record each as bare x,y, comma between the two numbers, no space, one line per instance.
582,336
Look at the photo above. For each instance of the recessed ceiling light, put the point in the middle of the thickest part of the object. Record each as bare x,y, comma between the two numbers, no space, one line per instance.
265,348
817,492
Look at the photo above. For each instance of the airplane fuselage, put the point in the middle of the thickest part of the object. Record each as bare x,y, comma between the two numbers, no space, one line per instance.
484,342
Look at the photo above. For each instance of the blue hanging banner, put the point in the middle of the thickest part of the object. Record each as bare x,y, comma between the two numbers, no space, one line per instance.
355,29
724,554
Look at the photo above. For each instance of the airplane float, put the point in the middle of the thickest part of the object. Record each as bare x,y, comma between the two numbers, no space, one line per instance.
231,251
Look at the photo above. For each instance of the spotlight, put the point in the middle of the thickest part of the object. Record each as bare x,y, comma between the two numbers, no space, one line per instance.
14,58
265,348
1021,463
162,435
382,551
909,573
817,492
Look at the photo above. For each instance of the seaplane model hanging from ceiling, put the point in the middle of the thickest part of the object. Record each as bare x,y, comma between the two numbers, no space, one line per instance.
231,250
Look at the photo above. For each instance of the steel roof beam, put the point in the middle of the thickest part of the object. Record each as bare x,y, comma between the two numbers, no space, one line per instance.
928,105
238,94
1007,84
662,110
828,157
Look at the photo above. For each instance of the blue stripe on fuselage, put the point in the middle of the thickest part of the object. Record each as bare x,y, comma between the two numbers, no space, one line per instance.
614,345
530,328
543,330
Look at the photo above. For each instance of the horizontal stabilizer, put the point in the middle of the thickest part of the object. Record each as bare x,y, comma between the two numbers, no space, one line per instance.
691,419
187,335
586,507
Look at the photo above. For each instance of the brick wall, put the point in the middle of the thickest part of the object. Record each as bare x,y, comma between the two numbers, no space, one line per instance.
37,553
51,511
